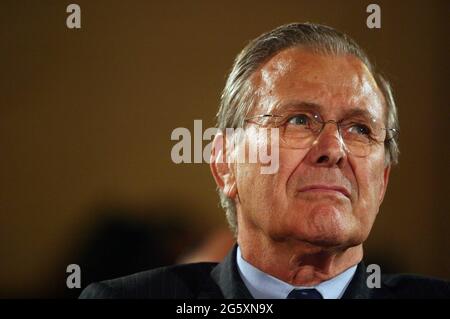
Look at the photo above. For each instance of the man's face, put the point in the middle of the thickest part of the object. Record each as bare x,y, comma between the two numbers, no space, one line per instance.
322,194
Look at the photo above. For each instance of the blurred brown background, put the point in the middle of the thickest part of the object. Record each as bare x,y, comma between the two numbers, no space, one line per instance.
86,117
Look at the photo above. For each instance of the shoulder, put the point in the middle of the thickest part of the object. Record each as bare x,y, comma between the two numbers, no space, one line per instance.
179,281
416,286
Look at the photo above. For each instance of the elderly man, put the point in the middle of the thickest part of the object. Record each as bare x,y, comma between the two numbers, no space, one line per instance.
299,230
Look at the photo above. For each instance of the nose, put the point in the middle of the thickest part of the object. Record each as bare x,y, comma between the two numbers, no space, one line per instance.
328,149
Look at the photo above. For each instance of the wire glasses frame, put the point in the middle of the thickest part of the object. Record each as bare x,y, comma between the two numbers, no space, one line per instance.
358,137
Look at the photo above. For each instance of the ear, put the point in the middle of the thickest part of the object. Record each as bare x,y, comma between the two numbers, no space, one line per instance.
221,165
386,173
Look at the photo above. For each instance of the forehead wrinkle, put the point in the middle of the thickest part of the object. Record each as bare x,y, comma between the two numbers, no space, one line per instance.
357,89
293,105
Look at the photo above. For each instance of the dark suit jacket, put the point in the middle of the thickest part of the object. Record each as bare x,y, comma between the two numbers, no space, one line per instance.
217,281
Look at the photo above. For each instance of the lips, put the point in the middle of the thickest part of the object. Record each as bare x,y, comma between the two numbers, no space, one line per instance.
325,188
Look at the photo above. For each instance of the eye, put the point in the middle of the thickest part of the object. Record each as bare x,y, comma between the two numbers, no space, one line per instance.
300,119
359,129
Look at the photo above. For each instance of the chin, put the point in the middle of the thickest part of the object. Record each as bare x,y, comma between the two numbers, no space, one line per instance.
329,226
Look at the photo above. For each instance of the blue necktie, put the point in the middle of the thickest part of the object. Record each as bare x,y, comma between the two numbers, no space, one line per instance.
304,294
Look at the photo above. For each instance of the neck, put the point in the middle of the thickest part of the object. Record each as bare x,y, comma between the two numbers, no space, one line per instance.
296,262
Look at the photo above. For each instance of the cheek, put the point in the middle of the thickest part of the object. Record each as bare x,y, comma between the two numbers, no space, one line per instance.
290,160
253,188
267,192
369,177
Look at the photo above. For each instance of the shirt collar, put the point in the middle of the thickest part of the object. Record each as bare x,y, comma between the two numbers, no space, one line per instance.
265,286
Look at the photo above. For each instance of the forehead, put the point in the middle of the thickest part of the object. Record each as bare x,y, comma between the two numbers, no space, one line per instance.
337,83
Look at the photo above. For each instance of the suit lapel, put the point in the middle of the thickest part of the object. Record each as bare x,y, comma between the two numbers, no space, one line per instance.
226,276
358,289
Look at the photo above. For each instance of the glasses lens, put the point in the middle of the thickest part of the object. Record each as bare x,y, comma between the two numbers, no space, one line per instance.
301,136
299,130
358,148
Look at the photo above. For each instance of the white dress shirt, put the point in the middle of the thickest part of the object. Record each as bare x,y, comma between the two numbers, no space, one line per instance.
265,286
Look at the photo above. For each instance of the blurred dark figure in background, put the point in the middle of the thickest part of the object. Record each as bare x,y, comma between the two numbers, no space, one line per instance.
300,229
127,240
121,245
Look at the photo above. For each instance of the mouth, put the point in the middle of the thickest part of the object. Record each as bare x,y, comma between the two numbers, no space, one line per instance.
326,189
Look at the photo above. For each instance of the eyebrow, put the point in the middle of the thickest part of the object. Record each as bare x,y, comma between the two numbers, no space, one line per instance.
311,106
359,112
303,105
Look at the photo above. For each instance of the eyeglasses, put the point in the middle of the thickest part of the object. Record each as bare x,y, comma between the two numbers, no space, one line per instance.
301,129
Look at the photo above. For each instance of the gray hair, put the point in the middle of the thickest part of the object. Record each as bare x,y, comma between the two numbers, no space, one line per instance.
236,100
